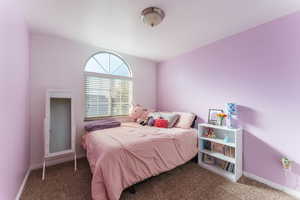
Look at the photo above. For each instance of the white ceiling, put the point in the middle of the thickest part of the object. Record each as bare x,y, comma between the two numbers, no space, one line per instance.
116,24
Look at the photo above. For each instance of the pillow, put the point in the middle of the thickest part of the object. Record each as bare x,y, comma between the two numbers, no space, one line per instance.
185,120
151,121
171,117
161,123
136,112
155,115
102,124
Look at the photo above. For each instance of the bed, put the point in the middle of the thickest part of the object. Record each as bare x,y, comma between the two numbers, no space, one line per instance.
120,157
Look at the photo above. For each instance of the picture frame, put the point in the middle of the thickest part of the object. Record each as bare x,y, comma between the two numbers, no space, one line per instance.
212,115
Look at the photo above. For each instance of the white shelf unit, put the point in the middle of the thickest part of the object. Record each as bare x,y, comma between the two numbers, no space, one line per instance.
235,140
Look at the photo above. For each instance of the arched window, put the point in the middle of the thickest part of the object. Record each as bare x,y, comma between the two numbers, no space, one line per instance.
108,86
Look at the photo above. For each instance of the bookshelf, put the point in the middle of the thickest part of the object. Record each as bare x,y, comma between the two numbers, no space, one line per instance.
224,151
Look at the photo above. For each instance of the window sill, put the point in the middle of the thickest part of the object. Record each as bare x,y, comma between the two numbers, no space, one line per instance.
89,119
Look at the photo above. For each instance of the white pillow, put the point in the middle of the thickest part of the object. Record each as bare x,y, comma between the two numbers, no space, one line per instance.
171,117
186,120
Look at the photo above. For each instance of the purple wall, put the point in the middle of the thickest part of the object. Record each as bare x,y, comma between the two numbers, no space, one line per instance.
259,69
14,104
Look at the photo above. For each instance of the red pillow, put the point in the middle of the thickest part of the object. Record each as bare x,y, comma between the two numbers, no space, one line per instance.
161,123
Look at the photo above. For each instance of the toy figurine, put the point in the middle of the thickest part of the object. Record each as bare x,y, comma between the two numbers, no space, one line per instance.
286,163
210,133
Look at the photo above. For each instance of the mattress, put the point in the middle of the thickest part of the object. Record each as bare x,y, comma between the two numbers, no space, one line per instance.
120,157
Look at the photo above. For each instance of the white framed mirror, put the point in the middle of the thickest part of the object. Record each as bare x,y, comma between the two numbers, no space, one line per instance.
59,125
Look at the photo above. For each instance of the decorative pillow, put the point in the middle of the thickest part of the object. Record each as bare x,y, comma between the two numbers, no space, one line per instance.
151,121
136,112
185,120
102,124
171,117
155,115
161,123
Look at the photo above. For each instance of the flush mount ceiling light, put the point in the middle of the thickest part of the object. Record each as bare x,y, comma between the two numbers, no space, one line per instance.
152,16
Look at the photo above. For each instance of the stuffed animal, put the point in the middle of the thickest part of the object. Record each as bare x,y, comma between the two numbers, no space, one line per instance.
210,133
136,112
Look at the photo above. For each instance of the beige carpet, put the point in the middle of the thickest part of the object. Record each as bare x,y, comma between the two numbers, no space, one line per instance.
185,182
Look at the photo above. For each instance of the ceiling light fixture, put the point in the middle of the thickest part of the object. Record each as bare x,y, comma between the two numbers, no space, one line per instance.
152,16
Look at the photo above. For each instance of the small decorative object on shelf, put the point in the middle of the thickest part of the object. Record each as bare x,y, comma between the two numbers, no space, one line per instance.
212,116
231,110
286,163
210,133
226,139
221,117
208,159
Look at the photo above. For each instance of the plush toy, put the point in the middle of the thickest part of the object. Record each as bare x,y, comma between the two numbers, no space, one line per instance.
286,163
136,112
210,133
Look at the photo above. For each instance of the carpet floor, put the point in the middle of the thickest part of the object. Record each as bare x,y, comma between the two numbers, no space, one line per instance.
187,182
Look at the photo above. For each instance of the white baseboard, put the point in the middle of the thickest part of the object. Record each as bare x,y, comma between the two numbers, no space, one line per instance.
23,184
277,186
55,161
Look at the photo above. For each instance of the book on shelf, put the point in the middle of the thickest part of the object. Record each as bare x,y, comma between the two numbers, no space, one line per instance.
207,145
216,147
227,166
219,148
229,151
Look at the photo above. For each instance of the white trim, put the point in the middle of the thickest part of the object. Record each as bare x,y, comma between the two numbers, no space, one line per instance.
23,185
110,53
108,76
59,93
219,127
277,186
60,153
55,161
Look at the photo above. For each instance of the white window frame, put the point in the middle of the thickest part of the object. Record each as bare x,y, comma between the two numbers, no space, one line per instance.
108,76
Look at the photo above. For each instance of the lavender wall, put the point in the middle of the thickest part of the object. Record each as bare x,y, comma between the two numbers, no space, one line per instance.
58,63
259,69
14,104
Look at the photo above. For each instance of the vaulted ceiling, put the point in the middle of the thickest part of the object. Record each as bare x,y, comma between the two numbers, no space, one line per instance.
116,24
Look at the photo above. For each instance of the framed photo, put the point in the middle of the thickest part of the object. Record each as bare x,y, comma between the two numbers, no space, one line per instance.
212,115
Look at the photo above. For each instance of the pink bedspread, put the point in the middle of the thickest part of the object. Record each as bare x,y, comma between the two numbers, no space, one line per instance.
122,156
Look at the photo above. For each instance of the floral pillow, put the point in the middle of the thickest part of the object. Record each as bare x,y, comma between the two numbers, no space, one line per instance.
185,120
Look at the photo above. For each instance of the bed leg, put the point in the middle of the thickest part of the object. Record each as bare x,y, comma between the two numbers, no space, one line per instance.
195,159
132,190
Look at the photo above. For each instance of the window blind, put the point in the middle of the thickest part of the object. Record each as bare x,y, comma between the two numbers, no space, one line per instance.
107,96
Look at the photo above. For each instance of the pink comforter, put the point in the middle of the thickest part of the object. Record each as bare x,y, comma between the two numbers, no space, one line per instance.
120,157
